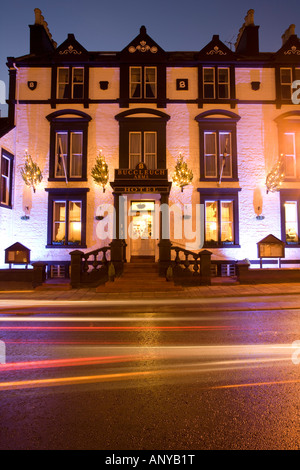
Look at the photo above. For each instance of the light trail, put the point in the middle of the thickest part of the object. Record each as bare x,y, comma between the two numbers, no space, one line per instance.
256,384
71,380
55,363
120,328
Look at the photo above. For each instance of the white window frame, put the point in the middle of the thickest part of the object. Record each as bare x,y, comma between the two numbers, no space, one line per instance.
77,83
7,178
293,155
210,83
286,83
211,155
229,155
149,83
134,82
224,83
296,221
62,83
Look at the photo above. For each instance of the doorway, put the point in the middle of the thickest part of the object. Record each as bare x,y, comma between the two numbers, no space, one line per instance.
142,241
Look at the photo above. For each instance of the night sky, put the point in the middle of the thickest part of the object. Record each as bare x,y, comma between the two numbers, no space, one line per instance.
109,25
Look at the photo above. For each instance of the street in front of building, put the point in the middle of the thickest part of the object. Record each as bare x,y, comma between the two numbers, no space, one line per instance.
140,374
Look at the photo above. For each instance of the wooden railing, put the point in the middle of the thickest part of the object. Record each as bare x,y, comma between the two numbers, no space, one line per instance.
191,266
89,268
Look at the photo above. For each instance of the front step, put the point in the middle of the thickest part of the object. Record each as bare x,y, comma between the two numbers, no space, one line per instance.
139,277
55,285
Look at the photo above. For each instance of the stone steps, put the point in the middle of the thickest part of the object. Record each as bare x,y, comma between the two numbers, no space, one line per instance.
139,277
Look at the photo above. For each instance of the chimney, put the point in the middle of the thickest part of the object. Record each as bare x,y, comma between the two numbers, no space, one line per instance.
288,33
247,41
41,41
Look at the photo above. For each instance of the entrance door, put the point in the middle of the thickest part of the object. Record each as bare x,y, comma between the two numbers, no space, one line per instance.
141,233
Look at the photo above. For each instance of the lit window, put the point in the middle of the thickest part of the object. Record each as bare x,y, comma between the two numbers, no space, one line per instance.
220,218
66,223
291,222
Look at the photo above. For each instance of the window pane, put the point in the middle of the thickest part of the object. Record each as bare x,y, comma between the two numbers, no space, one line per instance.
75,222
297,74
150,82
208,83
150,150
211,221
4,191
77,83
5,166
210,160
61,154
286,83
5,180
227,221
223,83
135,156
59,222
76,154
225,154
63,83
290,155
135,82
291,222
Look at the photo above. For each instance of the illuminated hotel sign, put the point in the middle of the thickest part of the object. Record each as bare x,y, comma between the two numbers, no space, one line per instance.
141,180
140,173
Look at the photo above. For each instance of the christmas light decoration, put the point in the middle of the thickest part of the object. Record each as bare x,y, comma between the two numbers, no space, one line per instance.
182,175
31,173
100,171
276,176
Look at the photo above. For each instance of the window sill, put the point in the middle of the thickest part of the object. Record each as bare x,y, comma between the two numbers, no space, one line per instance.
6,206
218,246
63,180
68,247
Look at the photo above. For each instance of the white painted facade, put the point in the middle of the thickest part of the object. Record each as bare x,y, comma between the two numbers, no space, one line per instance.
257,152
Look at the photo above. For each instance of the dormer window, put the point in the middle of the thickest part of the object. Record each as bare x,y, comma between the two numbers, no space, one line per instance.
216,82
287,76
70,82
142,82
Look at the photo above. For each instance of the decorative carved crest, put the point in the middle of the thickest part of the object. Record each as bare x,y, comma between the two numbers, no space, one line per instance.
70,50
292,50
216,50
143,47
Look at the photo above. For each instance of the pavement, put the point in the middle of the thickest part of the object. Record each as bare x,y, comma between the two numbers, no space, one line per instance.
11,290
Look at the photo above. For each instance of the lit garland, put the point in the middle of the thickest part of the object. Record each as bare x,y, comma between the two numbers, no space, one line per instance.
183,175
31,173
100,172
276,176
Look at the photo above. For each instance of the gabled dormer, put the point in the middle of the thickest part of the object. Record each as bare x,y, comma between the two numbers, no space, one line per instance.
216,73
287,67
142,72
70,73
